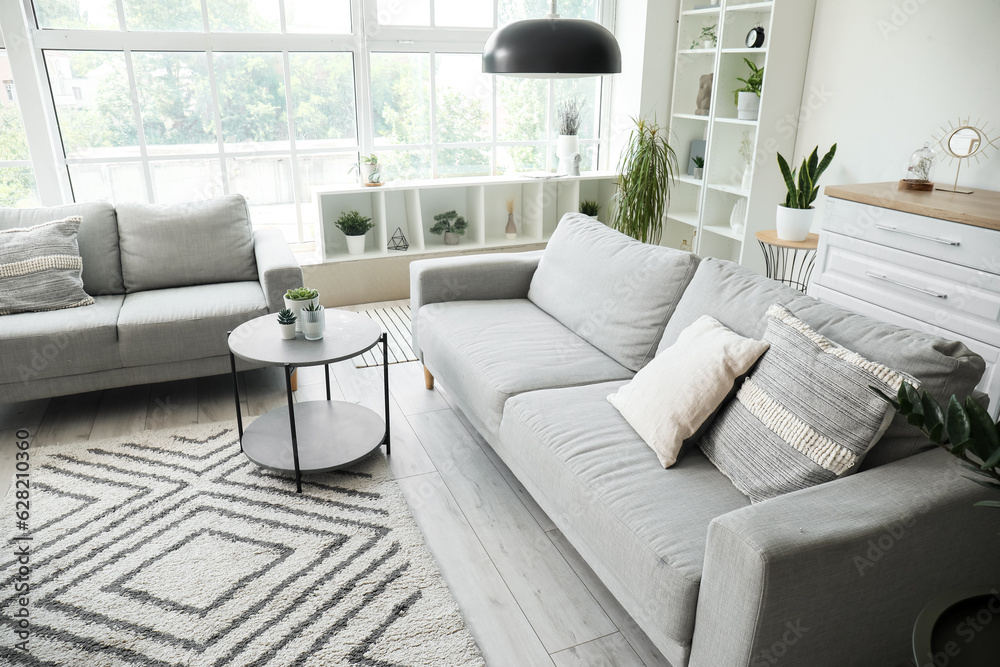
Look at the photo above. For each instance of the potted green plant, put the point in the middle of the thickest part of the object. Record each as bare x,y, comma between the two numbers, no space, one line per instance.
286,323
296,299
590,207
451,224
646,169
795,216
706,39
699,166
313,321
747,98
355,226
367,169
568,144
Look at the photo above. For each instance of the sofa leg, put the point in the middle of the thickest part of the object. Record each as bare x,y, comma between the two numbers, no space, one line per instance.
295,380
428,379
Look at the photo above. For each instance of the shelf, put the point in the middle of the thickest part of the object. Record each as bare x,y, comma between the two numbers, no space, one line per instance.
704,10
684,178
736,121
721,230
684,217
690,116
743,49
731,189
750,6
695,52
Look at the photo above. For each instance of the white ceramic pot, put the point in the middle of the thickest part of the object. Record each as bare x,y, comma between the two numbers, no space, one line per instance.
793,224
296,308
567,148
313,323
356,245
708,44
748,106
699,172
450,238
287,330
366,172
747,178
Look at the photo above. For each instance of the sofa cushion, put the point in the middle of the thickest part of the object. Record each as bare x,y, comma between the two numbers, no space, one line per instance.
184,323
611,290
177,245
60,342
642,528
488,351
98,240
740,298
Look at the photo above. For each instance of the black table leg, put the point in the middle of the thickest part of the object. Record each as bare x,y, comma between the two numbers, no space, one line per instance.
327,381
291,423
236,394
385,381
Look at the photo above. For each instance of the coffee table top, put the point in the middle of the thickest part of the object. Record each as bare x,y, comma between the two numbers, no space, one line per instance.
347,335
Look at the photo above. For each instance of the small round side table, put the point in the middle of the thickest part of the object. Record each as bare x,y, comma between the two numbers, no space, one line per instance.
788,262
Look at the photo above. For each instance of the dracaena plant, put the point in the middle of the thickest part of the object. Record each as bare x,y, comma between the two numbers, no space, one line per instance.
966,431
802,190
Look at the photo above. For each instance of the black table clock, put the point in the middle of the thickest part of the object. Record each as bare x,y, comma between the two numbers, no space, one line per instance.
755,38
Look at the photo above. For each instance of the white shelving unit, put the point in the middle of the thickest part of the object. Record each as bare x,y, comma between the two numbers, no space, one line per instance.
539,204
702,207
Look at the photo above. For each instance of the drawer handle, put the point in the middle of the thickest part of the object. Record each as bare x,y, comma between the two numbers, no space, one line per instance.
919,236
879,276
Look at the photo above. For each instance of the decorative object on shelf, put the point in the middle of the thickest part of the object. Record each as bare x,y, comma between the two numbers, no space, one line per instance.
286,323
755,38
368,170
747,98
590,207
689,247
451,224
788,262
697,151
398,240
962,142
296,299
313,321
544,48
510,231
746,152
707,38
568,145
918,170
355,226
646,168
374,180
738,218
699,167
795,216
704,100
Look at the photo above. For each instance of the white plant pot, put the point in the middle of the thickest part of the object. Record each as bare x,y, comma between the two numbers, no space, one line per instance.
367,170
793,224
356,245
568,150
708,44
296,308
748,106
287,330
699,172
450,238
313,323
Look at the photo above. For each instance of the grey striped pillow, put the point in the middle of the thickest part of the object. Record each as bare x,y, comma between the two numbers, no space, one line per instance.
804,416
41,268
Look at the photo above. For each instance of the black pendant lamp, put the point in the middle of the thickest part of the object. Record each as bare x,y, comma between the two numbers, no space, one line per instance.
552,48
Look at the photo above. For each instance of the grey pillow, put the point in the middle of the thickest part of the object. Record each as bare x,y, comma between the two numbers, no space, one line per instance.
805,415
41,268
197,243
611,290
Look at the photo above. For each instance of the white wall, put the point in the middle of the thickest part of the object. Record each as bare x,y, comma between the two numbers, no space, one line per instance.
884,75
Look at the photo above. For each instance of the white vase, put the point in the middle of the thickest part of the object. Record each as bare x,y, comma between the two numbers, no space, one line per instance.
738,218
748,106
356,245
793,224
296,308
567,150
287,330
313,323
747,178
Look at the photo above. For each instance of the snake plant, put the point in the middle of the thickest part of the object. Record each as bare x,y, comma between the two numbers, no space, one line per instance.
803,190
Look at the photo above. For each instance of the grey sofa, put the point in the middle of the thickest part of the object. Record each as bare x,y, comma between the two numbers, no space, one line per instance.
832,575
168,283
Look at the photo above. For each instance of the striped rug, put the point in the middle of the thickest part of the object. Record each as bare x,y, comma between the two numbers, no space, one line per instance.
394,318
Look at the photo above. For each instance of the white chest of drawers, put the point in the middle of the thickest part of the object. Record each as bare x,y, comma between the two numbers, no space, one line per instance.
928,261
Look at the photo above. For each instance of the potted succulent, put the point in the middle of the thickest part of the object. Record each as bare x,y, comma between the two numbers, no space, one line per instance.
451,224
646,168
590,207
747,98
355,226
795,215
286,323
568,145
699,166
706,39
368,170
313,321
296,299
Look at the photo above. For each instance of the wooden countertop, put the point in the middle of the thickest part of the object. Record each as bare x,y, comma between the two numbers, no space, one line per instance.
981,208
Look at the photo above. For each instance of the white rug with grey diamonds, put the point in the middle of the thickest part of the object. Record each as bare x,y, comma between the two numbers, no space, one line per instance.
173,549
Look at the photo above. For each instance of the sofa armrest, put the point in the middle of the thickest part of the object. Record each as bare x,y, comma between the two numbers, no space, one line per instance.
837,574
277,268
471,278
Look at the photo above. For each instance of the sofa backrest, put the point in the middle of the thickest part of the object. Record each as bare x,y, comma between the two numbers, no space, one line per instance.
177,245
98,240
739,298
611,290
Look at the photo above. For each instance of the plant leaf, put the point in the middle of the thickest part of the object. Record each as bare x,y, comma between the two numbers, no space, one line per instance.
957,423
993,486
982,431
825,162
933,416
934,434
987,503
916,412
789,177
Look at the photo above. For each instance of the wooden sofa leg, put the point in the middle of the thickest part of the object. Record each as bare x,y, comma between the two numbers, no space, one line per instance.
295,380
428,379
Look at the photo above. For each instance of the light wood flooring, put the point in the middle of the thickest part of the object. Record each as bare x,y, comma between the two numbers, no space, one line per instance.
526,595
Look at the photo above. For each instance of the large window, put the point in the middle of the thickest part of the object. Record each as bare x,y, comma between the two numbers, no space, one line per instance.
17,179
174,100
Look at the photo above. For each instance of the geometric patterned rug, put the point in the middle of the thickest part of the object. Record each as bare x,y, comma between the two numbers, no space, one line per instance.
171,548
394,318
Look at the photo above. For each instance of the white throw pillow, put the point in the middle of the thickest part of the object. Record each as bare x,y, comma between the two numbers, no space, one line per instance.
672,396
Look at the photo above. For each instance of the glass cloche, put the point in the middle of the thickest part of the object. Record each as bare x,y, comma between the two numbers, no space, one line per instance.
920,164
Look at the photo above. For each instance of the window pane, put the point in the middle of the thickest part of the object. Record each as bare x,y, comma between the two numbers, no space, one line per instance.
93,103
401,98
318,16
251,89
160,15
323,99
115,182
512,159
243,15
517,10
463,100
320,171
176,181
13,145
522,105
587,91
17,187
404,12
78,14
175,102
405,165
453,162
266,182
464,13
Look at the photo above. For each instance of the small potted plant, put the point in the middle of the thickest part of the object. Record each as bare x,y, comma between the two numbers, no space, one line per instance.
368,170
286,323
296,299
355,226
568,145
706,39
699,166
451,224
747,98
590,207
795,215
313,322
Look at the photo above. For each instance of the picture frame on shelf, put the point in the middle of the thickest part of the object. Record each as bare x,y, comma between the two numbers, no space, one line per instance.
697,151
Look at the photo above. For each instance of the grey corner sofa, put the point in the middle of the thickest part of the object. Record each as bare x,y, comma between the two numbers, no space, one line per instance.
530,346
168,283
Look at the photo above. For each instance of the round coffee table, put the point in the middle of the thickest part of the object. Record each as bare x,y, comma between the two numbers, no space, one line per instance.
325,435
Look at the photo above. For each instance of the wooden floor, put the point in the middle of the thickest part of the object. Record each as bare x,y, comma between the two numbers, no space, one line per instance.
526,595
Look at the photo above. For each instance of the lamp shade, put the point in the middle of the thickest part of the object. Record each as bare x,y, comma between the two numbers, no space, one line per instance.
552,47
